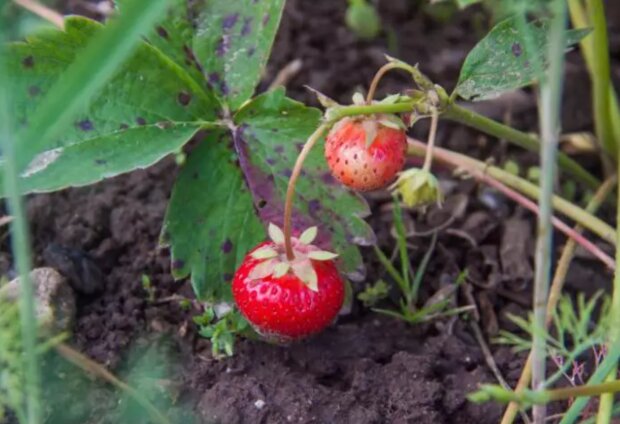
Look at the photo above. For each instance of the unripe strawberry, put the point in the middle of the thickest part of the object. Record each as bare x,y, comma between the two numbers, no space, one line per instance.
365,154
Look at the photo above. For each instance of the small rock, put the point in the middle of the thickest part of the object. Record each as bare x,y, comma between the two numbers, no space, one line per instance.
259,404
55,300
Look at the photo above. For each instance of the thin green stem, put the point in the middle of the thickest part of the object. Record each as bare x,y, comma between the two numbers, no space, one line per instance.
580,19
470,118
417,280
399,226
550,97
21,248
601,73
389,267
607,401
340,112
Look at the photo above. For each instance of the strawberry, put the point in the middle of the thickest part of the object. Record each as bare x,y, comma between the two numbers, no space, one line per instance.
288,300
366,154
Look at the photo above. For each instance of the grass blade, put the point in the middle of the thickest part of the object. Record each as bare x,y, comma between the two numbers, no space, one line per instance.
20,246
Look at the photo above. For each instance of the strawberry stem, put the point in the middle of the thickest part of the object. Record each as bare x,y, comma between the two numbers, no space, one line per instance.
290,191
428,159
377,78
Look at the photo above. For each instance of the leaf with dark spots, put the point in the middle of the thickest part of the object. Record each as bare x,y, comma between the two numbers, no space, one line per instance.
232,38
268,180
113,154
247,27
229,21
33,91
127,113
85,125
230,227
161,31
28,61
227,246
241,48
501,60
184,98
177,264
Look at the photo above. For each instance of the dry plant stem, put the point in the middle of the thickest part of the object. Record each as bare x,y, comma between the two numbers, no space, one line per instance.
556,290
286,74
88,365
43,11
290,191
430,145
483,172
561,226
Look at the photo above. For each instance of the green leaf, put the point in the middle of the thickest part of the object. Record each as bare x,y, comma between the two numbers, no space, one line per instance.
148,109
103,157
224,43
88,73
233,43
502,62
211,223
219,212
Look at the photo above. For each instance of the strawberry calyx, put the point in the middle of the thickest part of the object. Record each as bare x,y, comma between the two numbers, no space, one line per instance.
274,262
372,123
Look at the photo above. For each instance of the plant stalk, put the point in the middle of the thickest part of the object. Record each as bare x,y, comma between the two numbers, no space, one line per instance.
290,190
430,145
21,248
602,76
607,401
554,293
550,98
377,78
470,118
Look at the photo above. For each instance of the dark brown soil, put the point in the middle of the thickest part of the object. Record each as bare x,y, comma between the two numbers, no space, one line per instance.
366,368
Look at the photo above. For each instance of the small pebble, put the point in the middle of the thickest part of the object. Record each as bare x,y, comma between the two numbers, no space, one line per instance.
55,300
259,404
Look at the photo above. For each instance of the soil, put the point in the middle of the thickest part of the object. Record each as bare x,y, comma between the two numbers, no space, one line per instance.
366,368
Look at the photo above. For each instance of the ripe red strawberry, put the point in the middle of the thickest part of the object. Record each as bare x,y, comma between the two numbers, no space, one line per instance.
365,154
288,300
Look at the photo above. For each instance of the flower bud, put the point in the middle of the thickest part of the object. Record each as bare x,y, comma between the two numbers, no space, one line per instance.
417,187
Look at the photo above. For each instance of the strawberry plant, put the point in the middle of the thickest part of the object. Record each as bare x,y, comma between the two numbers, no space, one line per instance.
265,209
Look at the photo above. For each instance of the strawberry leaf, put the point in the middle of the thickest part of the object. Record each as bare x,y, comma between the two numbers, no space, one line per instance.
224,42
150,108
211,222
501,61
